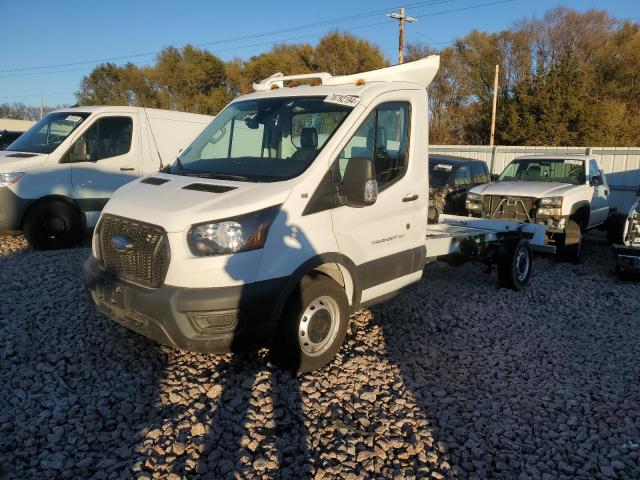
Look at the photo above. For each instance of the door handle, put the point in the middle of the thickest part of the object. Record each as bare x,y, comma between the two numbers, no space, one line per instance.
127,169
410,198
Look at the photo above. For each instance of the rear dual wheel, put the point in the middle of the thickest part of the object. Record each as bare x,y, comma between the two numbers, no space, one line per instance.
313,325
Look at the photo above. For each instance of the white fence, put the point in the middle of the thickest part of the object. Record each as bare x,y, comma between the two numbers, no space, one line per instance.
622,164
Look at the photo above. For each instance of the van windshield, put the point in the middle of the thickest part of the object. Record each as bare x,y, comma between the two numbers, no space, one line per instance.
49,132
545,170
265,140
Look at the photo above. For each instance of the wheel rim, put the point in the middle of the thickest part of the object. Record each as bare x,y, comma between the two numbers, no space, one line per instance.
55,227
522,264
318,326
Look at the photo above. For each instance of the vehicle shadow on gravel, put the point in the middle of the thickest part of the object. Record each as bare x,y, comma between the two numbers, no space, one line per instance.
530,384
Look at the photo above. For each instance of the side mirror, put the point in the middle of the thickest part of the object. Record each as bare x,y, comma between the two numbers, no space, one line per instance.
359,187
595,181
79,151
494,177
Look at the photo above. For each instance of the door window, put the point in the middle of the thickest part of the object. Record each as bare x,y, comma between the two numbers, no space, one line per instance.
107,137
384,138
479,173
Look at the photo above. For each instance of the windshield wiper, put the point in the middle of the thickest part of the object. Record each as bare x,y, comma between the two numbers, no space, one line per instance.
224,176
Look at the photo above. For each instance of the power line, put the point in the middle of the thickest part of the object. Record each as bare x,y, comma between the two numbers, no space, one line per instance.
348,18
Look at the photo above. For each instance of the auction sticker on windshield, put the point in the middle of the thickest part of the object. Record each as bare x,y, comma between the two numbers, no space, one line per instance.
73,118
573,162
347,100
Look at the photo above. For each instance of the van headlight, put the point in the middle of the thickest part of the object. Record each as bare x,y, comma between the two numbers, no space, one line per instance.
550,207
7,179
474,202
231,235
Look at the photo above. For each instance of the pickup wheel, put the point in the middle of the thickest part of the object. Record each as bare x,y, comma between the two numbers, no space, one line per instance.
52,225
615,228
514,264
572,242
313,325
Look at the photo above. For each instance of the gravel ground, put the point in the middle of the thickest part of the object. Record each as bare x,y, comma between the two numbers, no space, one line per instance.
455,380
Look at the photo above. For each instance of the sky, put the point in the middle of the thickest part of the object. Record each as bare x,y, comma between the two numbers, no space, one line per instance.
47,47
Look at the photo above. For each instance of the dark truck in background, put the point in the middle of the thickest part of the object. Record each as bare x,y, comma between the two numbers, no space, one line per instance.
450,179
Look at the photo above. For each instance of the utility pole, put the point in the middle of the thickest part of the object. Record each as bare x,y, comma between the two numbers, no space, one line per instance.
495,104
401,17
41,106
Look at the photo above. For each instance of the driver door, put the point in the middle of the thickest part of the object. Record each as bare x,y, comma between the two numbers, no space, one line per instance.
105,157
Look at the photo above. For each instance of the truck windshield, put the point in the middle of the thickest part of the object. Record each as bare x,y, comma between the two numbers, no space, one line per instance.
439,174
265,140
49,132
554,170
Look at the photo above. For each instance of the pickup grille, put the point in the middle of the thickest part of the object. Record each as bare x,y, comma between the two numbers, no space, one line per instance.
145,258
508,207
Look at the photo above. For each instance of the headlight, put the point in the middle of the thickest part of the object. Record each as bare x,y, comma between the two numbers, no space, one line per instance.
474,202
231,235
474,197
550,207
10,178
552,202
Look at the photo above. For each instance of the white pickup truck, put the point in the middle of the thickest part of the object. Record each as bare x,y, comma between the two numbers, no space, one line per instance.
295,207
56,177
567,194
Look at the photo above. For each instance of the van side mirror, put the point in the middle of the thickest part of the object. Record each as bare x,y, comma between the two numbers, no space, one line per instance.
359,186
79,151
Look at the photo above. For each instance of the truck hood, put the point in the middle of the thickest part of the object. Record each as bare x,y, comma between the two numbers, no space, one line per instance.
175,208
20,161
525,189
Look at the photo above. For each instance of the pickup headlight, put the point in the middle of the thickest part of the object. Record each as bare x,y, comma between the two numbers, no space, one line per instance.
474,202
7,179
550,207
231,235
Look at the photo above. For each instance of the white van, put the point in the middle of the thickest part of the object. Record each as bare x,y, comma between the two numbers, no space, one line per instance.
293,208
56,177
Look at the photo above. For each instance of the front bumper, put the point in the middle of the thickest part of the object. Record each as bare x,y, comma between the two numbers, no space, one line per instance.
12,208
210,320
627,258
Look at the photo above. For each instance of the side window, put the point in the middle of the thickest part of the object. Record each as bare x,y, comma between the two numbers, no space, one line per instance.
479,173
107,137
462,176
384,138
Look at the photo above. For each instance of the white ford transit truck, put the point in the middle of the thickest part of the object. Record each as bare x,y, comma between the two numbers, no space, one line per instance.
56,177
295,207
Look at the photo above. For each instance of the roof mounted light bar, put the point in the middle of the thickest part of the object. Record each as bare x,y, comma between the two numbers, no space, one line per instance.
420,72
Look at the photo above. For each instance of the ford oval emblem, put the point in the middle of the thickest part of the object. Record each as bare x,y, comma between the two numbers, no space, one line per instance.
121,243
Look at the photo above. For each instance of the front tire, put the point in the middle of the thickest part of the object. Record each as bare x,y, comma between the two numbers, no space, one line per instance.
515,262
313,325
52,225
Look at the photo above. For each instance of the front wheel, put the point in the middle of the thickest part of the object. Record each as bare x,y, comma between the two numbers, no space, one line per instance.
313,325
515,262
52,225
571,244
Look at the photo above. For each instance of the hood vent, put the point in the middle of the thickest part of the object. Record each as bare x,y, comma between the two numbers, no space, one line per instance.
22,155
154,181
205,187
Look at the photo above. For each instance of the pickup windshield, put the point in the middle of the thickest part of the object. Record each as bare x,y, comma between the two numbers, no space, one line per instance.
538,170
49,132
265,140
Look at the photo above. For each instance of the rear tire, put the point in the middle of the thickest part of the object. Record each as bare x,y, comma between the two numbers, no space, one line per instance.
313,325
515,262
615,228
571,245
52,225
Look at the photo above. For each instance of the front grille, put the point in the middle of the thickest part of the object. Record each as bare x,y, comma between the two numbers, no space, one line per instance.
143,256
508,207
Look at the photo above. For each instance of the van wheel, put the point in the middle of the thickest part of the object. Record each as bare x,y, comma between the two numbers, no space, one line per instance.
515,262
572,243
615,228
313,325
52,225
